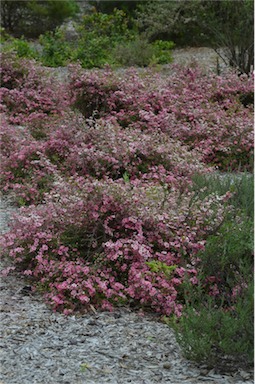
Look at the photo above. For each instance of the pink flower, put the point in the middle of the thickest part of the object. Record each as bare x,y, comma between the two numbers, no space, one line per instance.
83,298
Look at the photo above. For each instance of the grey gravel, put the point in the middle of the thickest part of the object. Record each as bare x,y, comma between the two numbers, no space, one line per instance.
39,346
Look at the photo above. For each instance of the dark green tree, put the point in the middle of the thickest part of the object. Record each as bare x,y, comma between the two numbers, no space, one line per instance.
127,6
11,13
33,17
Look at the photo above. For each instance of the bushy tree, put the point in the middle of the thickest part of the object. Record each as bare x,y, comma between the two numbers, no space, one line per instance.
33,17
230,24
220,24
173,20
108,6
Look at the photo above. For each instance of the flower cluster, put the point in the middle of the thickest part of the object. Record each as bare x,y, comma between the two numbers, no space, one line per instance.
26,93
94,243
210,113
110,216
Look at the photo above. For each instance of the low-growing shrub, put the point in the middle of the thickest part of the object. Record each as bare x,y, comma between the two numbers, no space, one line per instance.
220,128
56,52
125,210
20,47
216,336
241,186
109,232
27,93
137,52
217,315
140,52
163,51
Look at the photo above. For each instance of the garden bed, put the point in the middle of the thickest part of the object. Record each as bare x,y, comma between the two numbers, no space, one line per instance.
114,176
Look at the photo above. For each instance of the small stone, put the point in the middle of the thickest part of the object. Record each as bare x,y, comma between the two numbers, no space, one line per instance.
204,372
244,375
167,366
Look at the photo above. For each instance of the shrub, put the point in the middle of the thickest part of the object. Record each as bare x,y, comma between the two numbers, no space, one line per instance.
56,51
26,92
221,129
130,213
93,52
240,185
135,52
99,33
217,337
139,52
218,313
20,47
24,169
31,18
162,51
92,241
228,24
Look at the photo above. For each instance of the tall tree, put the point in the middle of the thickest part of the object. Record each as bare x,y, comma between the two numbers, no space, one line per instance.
230,25
220,24
33,17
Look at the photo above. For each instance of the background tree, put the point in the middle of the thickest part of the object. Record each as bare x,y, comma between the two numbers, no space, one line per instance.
11,13
220,24
230,25
128,7
170,20
34,17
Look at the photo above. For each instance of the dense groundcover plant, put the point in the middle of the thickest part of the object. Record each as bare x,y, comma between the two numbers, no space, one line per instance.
33,159
25,170
112,215
26,93
99,243
210,113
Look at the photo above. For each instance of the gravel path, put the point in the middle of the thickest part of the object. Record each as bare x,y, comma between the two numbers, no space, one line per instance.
40,347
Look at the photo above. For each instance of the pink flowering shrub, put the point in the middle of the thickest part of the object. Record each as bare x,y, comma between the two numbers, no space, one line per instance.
112,218
26,93
102,243
210,113
24,169
104,149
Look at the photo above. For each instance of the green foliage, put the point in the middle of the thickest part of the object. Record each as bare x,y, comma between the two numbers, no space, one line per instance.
99,33
163,51
228,255
20,47
34,17
136,52
170,20
105,6
103,39
93,52
114,25
4,36
207,332
126,177
139,52
230,24
160,267
220,323
56,51
224,23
